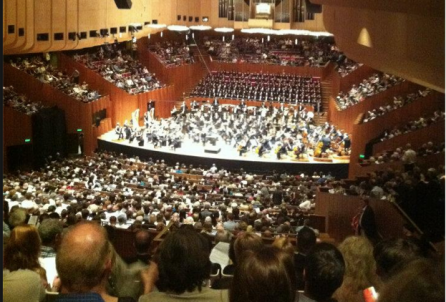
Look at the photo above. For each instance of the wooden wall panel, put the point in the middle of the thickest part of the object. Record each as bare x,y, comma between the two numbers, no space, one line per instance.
17,127
274,69
424,162
345,119
340,209
434,133
10,18
78,115
363,133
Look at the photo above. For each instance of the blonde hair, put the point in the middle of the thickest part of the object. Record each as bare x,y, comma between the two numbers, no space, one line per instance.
360,269
284,244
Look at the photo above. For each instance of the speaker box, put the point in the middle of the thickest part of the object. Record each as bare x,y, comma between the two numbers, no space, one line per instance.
313,8
124,4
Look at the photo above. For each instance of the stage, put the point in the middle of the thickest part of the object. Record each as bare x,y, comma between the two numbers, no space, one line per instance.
223,155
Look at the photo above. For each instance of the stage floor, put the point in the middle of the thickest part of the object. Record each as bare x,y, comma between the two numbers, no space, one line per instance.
228,157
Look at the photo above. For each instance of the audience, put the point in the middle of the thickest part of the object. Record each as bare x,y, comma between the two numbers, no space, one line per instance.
290,89
422,122
47,73
117,65
19,102
360,269
172,53
183,265
23,277
278,51
420,280
367,88
264,275
323,273
398,102
84,262
347,66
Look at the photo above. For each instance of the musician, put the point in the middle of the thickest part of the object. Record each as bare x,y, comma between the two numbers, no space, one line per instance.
135,119
347,142
119,131
127,130
146,119
174,113
151,108
326,142
194,105
242,146
280,149
140,137
215,103
183,108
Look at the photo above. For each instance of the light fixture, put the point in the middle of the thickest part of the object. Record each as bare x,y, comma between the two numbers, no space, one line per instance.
156,26
224,29
177,28
200,27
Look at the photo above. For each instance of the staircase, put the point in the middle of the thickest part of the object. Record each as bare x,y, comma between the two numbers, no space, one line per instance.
326,87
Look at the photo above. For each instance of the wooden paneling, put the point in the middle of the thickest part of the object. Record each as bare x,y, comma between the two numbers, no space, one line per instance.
434,133
237,102
345,119
363,133
425,162
78,115
16,127
274,69
340,209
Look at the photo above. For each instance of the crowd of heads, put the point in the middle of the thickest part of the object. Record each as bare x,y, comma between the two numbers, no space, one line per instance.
42,69
20,102
405,154
398,102
278,51
367,88
193,207
291,89
347,66
172,53
414,125
118,65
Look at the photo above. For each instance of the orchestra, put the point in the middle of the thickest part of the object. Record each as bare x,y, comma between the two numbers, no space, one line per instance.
284,131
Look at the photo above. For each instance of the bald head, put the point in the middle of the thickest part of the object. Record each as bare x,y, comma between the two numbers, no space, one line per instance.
142,242
84,258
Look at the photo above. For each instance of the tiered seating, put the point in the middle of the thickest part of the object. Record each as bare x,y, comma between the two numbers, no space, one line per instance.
283,51
259,86
20,102
172,54
367,88
47,73
118,66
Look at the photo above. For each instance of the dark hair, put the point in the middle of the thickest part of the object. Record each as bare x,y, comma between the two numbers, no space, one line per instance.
264,275
421,280
246,241
324,271
391,254
306,240
183,261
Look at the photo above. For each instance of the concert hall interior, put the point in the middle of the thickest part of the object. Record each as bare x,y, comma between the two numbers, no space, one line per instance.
234,118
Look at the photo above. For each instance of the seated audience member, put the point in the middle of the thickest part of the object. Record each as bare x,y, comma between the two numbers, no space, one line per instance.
183,266
264,275
420,280
126,278
23,277
84,262
306,240
324,273
50,231
393,254
360,269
